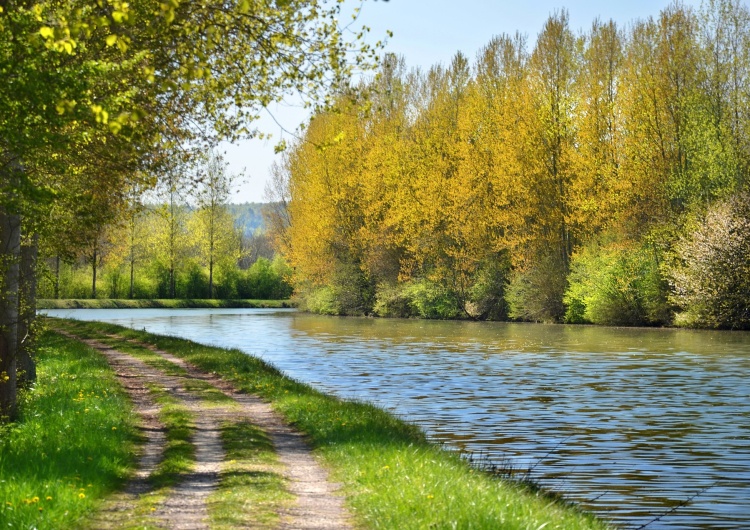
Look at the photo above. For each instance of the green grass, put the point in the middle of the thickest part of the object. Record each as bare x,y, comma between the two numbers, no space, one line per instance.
73,444
80,303
251,489
179,454
393,477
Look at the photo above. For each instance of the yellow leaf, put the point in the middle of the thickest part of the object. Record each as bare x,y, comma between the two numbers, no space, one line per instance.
46,32
111,40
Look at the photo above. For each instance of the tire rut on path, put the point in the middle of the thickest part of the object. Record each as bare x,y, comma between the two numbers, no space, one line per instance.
317,506
185,507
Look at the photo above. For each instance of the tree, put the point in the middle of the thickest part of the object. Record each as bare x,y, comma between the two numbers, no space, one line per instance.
595,188
548,164
10,243
135,239
93,92
169,241
218,240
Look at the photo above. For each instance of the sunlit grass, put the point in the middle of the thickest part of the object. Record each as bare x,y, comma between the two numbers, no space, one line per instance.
73,444
251,488
393,477
179,452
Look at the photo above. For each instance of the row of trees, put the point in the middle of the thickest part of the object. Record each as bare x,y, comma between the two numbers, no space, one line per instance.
576,181
99,97
179,240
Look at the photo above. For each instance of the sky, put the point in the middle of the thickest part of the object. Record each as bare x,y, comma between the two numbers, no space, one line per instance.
428,32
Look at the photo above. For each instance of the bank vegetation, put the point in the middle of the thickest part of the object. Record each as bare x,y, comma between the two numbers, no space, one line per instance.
593,177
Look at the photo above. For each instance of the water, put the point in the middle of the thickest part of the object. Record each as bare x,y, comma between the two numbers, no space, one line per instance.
631,423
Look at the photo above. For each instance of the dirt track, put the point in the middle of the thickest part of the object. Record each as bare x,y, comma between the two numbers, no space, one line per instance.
316,506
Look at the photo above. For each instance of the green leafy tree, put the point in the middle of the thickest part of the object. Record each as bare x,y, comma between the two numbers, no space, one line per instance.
169,242
217,239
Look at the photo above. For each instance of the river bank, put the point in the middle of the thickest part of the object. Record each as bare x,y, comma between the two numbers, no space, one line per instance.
391,476
164,303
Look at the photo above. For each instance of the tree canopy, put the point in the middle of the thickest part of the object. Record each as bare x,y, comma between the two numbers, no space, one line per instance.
98,98
548,181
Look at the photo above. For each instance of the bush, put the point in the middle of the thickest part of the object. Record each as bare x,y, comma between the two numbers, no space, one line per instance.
193,283
487,295
535,293
711,277
226,283
392,300
616,285
321,300
267,280
432,300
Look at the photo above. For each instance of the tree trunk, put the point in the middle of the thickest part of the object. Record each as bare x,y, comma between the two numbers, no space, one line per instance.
26,367
93,275
57,277
211,279
172,282
132,277
10,243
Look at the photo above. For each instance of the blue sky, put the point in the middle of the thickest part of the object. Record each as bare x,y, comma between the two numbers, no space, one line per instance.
431,32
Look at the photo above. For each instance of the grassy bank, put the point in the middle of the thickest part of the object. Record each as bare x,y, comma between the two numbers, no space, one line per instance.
391,475
81,303
73,444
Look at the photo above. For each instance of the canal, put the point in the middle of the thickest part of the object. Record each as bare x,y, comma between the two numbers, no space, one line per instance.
630,423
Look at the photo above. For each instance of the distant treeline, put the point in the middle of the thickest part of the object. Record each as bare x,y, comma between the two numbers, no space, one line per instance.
174,251
596,177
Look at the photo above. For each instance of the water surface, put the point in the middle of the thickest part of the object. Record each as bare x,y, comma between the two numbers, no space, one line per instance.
631,423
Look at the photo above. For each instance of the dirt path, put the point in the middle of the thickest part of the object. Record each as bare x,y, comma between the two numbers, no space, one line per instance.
317,506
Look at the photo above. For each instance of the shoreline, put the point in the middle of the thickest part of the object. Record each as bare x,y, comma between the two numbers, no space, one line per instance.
160,303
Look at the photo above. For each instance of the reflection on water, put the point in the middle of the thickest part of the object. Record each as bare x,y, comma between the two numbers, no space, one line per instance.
629,422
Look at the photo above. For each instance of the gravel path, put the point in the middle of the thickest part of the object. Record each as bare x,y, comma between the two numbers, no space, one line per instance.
316,506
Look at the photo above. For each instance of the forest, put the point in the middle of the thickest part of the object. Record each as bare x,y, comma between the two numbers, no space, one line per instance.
592,177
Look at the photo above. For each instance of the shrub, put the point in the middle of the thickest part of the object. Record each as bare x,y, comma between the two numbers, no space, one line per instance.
349,292
616,285
193,283
487,295
536,292
392,300
226,282
432,300
321,300
261,279
711,277
283,272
